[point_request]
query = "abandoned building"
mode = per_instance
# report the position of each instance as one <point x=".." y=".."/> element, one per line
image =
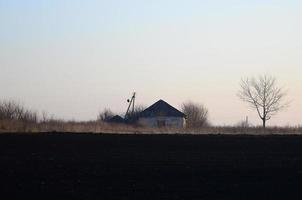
<point x="116" y="120"/>
<point x="161" y="114"/>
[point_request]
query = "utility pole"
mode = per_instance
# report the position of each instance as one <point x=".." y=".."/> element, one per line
<point x="131" y="103"/>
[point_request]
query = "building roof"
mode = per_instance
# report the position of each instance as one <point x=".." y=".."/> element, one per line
<point x="116" y="119"/>
<point x="161" y="109"/>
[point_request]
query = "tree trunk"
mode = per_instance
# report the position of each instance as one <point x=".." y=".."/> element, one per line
<point x="263" y="123"/>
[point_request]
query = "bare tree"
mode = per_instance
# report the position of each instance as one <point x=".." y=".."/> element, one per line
<point x="263" y="94"/>
<point x="11" y="110"/>
<point x="44" y="117"/>
<point x="197" y="114"/>
<point x="105" y="115"/>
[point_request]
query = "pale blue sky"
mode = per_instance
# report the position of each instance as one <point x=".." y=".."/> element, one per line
<point x="73" y="58"/>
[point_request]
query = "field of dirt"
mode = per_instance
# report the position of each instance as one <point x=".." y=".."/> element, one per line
<point x="87" y="166"/>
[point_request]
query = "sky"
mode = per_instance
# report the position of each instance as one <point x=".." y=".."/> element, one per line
<point x="74" y="58"/>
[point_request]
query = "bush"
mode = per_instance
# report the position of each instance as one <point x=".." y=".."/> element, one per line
<point x="105" y="115"/>
<point x="197" y="115"/>
<point x="11" y="110"/>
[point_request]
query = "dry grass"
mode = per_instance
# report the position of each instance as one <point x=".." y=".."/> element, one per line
<point x="250" y="130"/>
<point x="101" y="127"/>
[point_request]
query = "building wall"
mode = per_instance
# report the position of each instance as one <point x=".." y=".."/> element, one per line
<point x="156" y="122"/>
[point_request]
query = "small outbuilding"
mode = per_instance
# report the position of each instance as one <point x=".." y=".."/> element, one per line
<point x="161" y="114"/>
<point x="116" y="120"/>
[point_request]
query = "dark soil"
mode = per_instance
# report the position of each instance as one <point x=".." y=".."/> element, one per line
<point x="86" y="166"/>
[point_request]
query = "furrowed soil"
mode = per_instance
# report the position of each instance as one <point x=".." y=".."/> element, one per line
<point x="87" y="166"/>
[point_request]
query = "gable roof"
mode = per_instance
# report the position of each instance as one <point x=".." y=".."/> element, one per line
<point x="161" y="109"/>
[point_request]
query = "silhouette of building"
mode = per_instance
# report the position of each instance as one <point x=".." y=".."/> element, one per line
<point x="161" y="114"/>
<point x="116" y="119"/>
